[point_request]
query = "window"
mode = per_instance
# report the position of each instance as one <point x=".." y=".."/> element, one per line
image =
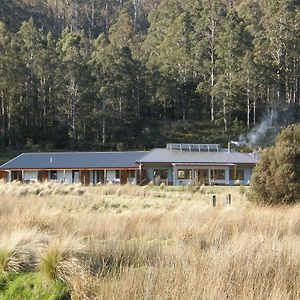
<point x="16" y="175"/>
<point x="236" y="174"/>
<point x="53" y="175"/>
<point x="218" y="174"/>
<point x="184" y="174"/>
<point x="132" y="174"/>
<point x="117" y="174"/>
<point x="161" y="173"/>
<point x="75" y="176"/>
<point x="100" y="176"/>
<point x="202" y="175"/>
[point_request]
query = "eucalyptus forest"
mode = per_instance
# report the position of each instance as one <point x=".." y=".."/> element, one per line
<point x="135" y="74"/>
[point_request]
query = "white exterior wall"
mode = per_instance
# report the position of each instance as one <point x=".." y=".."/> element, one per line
<point x="30" y="175"/>
<point x="247" y="175"/>
<point x="91" y="177"/>
<point x="68" y="178"/>
<point x="60" y="176"/>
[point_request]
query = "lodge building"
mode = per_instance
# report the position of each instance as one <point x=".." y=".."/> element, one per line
<point x="177" y="164"/>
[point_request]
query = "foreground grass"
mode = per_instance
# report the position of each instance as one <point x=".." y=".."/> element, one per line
<point x="31" y="286"/>
<point x="156" y="243"/>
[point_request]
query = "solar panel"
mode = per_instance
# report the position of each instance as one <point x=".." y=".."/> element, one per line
<point x="194" y="147"/>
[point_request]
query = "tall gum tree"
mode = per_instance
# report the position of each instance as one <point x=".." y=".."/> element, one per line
<point x="206" y="35"/>
<point x="73" y="54"/>
<point x="229" y="52"/>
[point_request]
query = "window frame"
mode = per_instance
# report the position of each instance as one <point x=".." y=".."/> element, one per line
<point x="204" y="175"/>
<point x="188" y="174"/>
<point x="131" y="174"/>
<point x="213" y="173"/>
<point x="166" y="174"/>
<point x="238" y="173"/>
<point x="73" y="175"/>
<point x="53" y="172"/>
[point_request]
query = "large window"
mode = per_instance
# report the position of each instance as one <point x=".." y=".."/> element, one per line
<point x="53" y="175"/>
<point x="218" y="174"/>
<point x="16" y="175"/>
<point x="236" y="174"/>
<point x="184" y="174"/>
<point x="100" y="176"/>
<point x="160" y="173"/>
<point x="75" y="176"/>
<point x="202" y="176"/>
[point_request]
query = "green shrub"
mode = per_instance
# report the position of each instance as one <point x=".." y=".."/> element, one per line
<point x="276" y="179"/>
<point x="31" y="286"/>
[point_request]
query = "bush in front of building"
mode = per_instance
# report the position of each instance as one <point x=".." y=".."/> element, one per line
<point x="276" y="179"/>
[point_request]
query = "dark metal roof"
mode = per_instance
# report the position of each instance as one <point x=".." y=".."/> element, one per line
<point x="162" y="155"/>
<point x="74" y="160"/>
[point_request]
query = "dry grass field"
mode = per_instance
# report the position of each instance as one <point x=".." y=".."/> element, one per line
<point x="112" y="242"/>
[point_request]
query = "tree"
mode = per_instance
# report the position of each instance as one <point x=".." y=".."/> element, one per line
<point x="170" y="68"/>
<point x="4" y="83"/>
<point x="229" y="52"/>
<point x="73" y="50"/>
<point x="275" y="49"/>
<point x="117" y="81"/>
<point x="121" y="33"/>
<point x="276" y="179"/>
<point x="206" y="35"/>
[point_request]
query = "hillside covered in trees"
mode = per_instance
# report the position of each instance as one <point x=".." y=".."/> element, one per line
<point x="124" y="74"/>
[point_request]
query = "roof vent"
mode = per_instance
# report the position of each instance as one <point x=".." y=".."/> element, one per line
<point x="51" y="159"/>
<point x="254" y="154"/>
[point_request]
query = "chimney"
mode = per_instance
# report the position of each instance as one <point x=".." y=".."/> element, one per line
<point x="229" y="150"/>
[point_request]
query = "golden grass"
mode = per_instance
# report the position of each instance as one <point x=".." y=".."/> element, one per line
<point x="163" y="243"/>
<point x="20" y="250"/>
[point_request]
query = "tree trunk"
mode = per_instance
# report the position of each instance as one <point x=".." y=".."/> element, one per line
<point x="225" y="115"/>
<point x="103" y="122"/>
<point x="248" y="101"/>
<point x="74" y="94"/>
<point x="92" y="19"/>
<point x="212" y="72"/>
<point x="254" y="112"/>
<point x="296" y="72"/>
<point x="138" y="109"/>
<point x="135" y="19"/>
<point x="103" y="131"/>
<point x="2" y="114"/>
<point x="106" y="30"/>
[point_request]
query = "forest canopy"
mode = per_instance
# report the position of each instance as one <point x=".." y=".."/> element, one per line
<point x="116" y="74"/>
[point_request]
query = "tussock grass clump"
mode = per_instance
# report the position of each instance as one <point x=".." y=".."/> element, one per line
<point x="115" y="255"/>
<point x="61" y="260"/>
<point x="20" y="250"/>
<point x="41" y="189"/>
<point x="117" y="190"/>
